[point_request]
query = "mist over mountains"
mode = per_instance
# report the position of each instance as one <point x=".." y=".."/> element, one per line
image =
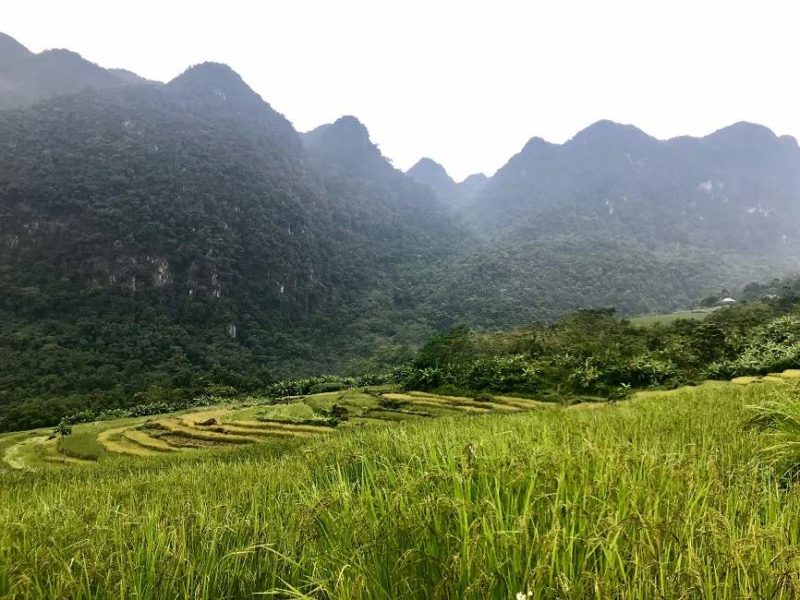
<point x="186" y="234"/>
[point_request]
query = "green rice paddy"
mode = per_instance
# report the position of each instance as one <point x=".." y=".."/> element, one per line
<point x="666" y="495"/>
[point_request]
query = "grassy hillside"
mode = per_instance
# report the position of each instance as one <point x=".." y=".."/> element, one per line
<point x="665" y="495"/>
<point x="695" y="314"/>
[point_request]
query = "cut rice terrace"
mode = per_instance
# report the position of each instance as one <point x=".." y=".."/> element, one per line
<point x="248" y="421"/>
<point x="375" y="493"/>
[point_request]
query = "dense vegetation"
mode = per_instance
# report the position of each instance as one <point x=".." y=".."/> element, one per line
<point x="594" y="353"/>
<point x="667" y="495"/>
<point x="589" y="355"/>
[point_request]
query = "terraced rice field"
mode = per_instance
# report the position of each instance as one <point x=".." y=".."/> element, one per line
<point x="259" y="422"/>
<point x="787" y="375"/>
<point x="235" y="424"/>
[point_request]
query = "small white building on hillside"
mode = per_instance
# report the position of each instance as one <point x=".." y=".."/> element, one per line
<point x="727" y="301"/>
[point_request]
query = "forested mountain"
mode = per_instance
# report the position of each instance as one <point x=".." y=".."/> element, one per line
<point x="154" y="236"/>
<point x="428" y="172"/>
<point x="615" y="217"/>
<point x="172" y="237"/>
<point x="736" y="190"/>
<point x="161" y="239"/>
<point x="391" y="237"/>
<point x="472" y="186"/>
<point x="26" y="77"/>
<point x="398" y="220"/>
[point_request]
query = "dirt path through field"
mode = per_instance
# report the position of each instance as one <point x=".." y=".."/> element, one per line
<point x="14" y="455"/>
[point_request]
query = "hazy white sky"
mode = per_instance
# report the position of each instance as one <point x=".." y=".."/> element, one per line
<point x="466" y="83"/>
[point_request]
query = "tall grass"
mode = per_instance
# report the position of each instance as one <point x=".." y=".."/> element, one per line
<point x="780" y="418"/>
<point x="660" y="497"/>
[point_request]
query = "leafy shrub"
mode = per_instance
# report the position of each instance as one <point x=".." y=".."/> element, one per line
<point x="62" y="429"/>
<point x="336" y="414"/>
<point x="329" y="386"/>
